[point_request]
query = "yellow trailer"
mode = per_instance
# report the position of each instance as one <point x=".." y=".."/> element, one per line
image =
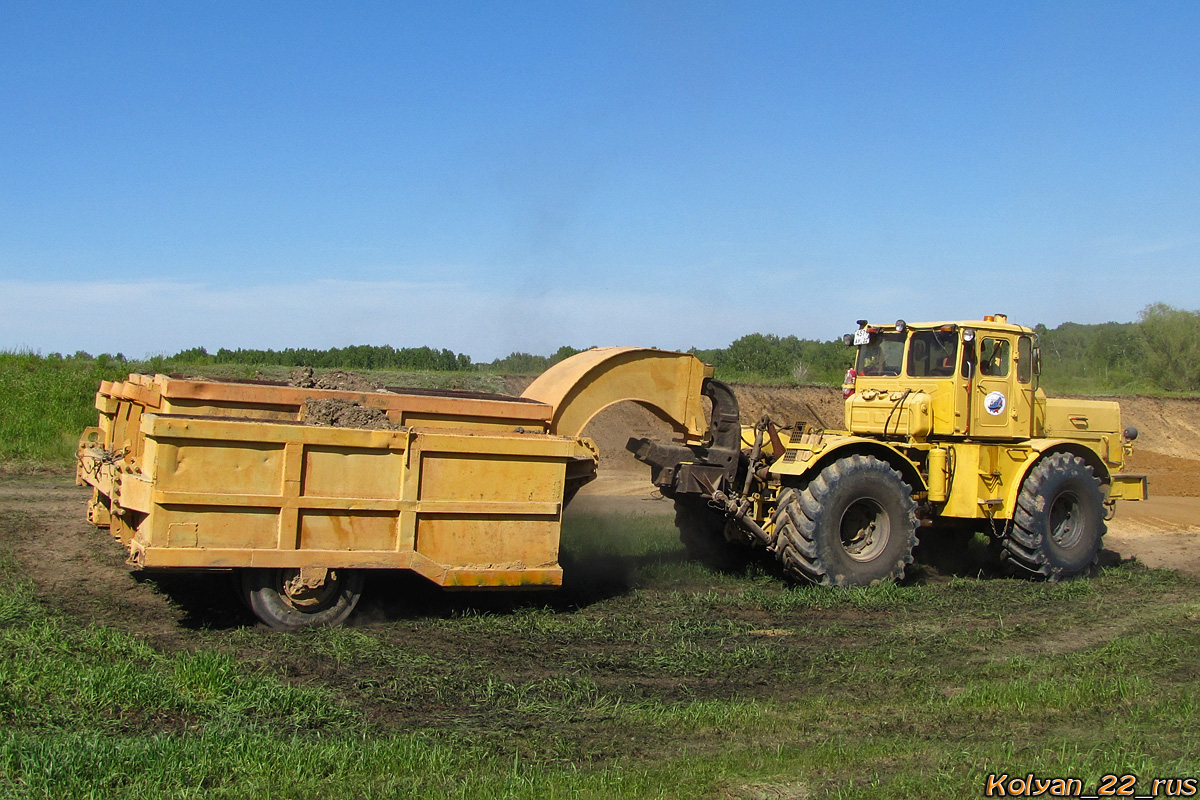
<point x="465" y="489"/>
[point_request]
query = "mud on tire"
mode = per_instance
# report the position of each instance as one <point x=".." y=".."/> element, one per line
<point x="270" y="595"/>
<point x="853" y="525"/>
<point x="1058" y="524"/>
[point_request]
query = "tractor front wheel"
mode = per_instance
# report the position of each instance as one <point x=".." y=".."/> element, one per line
<point x="1058" y="524"/>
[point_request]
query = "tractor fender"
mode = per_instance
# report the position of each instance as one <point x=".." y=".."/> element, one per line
<point x="801" y="463"/>
<point x="1043" y="448"/>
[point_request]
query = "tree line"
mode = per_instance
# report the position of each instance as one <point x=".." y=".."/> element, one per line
<point x="362" y="356"/>
<point x="1160" y="351"/>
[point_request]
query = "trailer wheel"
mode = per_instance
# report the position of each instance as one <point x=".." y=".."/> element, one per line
<point x="1058" y="524"/>
<point x="702" y="532"/>
<point x="853" y="525"/>
<point x="282" y="600"/>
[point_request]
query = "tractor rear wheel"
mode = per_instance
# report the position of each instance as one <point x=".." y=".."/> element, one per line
<point x="853" y="525"/>
<point x="1058" y="524"/>
<point x="284" y="600"/>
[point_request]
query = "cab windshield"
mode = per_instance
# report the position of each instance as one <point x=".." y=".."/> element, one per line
<point x="932" y="354"/>
<point x="884" y="355"/>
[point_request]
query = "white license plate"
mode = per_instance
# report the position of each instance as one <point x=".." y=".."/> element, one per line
<point x="862" y="336"/>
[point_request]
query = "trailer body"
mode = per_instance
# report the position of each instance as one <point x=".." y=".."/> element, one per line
<point x="466" y="489"/>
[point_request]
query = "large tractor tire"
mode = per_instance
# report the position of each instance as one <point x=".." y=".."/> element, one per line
<point x="853" y="525"/>
<point x="279" y="599"/>
<point x="1058" y="524"/>
<point x="702" y="532"/>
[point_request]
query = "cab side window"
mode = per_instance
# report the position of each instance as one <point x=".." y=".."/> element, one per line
<point x="994" y="357"/>
<point x="1024" y="359"/>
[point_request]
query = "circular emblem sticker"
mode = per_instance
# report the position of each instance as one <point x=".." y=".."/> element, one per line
<point x="994" y="403"/>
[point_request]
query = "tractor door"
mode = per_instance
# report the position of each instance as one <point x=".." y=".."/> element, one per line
<point x="1000" y="404"/>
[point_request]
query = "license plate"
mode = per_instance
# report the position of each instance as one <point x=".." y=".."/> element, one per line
<point x="862" y="336"/>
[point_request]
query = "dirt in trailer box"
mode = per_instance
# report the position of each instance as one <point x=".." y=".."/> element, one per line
<point x="337" y="413"/>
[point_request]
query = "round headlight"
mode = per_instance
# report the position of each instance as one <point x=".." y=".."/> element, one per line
<point x="969" y="335"/>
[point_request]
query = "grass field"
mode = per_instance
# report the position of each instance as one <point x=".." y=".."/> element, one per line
<point x="48" y="401"/>
<point x="647" y="676"/>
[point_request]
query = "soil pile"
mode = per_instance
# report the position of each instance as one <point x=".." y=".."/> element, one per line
<point x="302" y="377"/>
<point x="337" y="413"/>
<point x="305" y="378"/>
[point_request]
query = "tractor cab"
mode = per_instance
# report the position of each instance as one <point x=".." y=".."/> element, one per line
<point x="971" y="379"/>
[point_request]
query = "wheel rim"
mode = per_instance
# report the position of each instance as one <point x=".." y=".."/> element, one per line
<point x="308" y="599"/>
<point x="865" y="529"/>
<point x="1066" y="524"/>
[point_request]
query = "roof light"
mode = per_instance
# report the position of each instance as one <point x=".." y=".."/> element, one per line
<point x="900" y="326"/>
<point x="990" y="318"/>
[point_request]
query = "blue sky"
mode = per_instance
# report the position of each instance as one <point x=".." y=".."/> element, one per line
<point x="492" y="177"/>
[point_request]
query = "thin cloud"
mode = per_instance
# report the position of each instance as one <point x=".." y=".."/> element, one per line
<point x="139" y="318"/>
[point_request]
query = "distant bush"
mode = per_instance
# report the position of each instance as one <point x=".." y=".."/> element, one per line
<point x="361" y="356"/>
<point x="527" y="364"/>
<point x="773" y="358"/>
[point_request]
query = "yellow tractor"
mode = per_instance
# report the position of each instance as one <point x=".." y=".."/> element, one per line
<point x="945" y="427"/>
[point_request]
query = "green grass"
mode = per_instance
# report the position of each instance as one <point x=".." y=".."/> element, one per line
<point x="47" y="404"/>
<point x="48" y="401"/>
<point x="646" y="677"/>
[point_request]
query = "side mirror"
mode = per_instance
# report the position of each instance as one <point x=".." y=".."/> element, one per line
<point x="1037" y="361"/>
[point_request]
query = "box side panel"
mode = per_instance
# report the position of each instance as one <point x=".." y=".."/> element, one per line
<point x="217" y="467"/>
<point x="211" y="527"/>
<point x="331" y="471"/>
<point x="483" y="541"/>
<point x="491" y="477"/>
<point x="345" y="530"/>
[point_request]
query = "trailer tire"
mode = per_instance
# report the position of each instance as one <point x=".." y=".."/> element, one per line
<point x="853" y="525"/>
<point x="266" y="592"/>
<point x="702" y="532"/>
<point x="1058" y="524"/>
